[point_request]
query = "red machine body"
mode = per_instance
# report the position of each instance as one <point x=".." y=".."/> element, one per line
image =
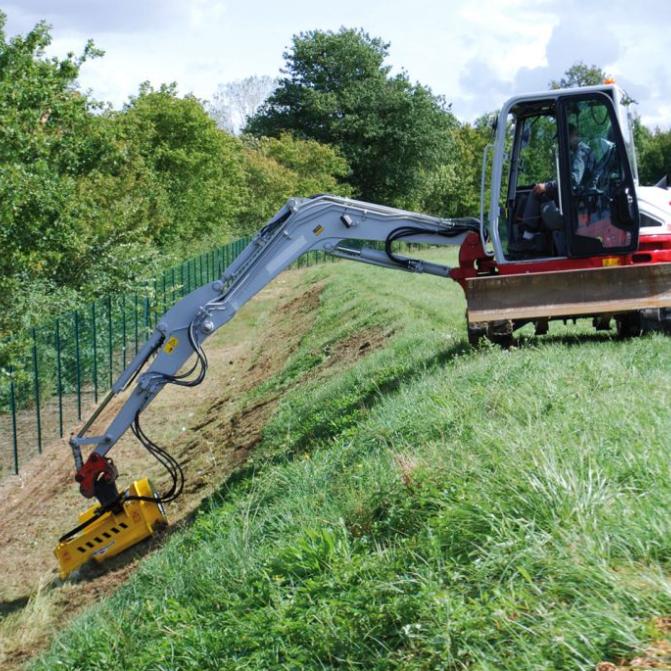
<point x="474" y="262"/>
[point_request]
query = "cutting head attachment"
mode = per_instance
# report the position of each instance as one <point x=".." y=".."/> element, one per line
<point x="105" y="533"/>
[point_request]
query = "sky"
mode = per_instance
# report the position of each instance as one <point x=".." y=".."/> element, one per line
<point x="476" y="54"/>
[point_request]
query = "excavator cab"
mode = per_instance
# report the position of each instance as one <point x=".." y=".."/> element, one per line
<point x="572" y="143"/>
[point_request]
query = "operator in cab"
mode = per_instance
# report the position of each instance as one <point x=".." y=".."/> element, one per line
<point x="540" y="211"/>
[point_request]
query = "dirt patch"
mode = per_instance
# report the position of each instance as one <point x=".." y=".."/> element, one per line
<point x="357" y="345"/>
<point x="210" y="429"/>
<point x="657" y="656"/>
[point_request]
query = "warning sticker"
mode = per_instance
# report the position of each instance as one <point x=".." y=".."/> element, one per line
<point x="170" y="345"/>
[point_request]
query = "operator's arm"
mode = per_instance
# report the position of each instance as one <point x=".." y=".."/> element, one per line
<point x="321" y="223"/>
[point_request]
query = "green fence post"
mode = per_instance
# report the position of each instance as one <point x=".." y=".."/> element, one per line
<point x="36" y="383"/>
<point x="137" y="332"/>
<point x="110" y="344"/>
<point x="146" y="317"/>
<point x="165" y="305"/>
<point x="156" y="303"/>
<point x="12" y="402"/>
<point x="94" y="330"/>
<point x="174" y="295"/>
<point x="59" y="375"/>
<point x="78" y="362"/>
<point x="123" y="330"/>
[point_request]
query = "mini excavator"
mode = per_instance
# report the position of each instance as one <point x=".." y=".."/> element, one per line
<point x="600" y="249"/>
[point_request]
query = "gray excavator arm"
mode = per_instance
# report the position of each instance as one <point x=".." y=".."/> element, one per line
<point x="319" y="223"/>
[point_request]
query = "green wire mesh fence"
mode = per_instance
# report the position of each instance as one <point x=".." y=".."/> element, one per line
<point x="60" y="368"/>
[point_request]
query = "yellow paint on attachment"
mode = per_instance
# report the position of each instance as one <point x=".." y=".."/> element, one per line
<point x="611" y="261"/>
<point x="170" y="345"/>
<point x="318" y="230"/>
<point x="112" y="532"/>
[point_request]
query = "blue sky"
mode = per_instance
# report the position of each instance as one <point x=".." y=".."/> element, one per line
<point x="476" y="54"/>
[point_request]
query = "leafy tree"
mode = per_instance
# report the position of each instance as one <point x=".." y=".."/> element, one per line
<point x="48" y="139"/>
<point x="279" y="168"/>
<point x="453" y="188"/>
<point x="338" y="90"/>
<point x="198" y="166"/>
<point x="654" y="153"/>
<point x="580" y="74"/>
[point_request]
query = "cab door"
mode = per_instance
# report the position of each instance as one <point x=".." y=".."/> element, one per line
<point x="597" y="184"/>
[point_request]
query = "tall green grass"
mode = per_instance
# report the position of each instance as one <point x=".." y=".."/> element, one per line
<point x="430" y="507"/>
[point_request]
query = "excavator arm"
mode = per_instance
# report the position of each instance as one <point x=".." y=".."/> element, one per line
<point x="323" y="223"/>
<point x="319" y="223"/>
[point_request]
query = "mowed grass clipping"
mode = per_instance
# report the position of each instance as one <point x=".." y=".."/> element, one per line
<point x="431" y="507"/>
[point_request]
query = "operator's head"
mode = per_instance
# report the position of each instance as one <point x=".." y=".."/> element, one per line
<point x="573" y="138"/>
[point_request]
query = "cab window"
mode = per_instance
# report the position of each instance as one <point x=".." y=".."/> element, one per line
<point x="599" y="186"/>
<point x="538" y="150"/>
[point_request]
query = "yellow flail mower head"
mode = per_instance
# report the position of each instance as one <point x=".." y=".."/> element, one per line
<point x="103" y="533"/>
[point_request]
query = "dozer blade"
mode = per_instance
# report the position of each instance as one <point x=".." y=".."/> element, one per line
<point x="569" y="293"/>
<point x="112" y="532"/>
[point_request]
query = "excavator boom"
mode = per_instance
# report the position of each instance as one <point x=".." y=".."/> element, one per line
<point x="325" y="223"/>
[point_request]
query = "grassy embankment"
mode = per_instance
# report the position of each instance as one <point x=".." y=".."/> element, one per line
<point x="429" y="507"/>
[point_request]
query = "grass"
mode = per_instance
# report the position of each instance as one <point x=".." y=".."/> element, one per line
<point x="430" y="507"/>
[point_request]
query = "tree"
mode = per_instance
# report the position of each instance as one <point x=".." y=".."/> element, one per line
<point x="580" y="74"/>
<point x="279" y="168"/>
<point x="198" y="167"/>
<point x="654" y="153"/>
<point x="235" y="102"/>
<point x="338" y="90"/>
<point x="452" y="189"/>
<point x="48" y="140"/>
